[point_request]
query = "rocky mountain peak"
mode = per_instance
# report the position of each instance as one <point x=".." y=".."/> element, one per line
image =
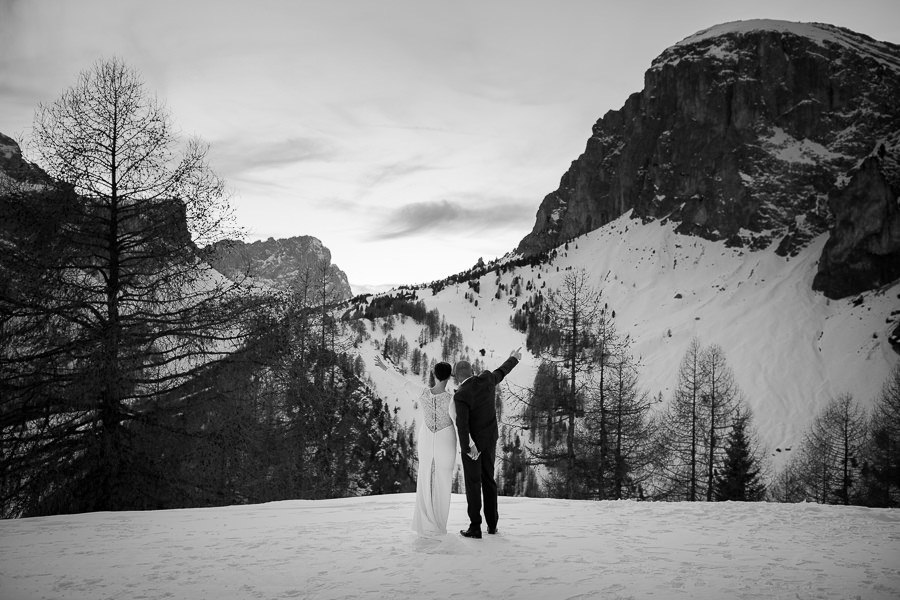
<point x="280" y="263"/>
<point x="821" y="34"/>
<point x="14" y="168"/>
<point x="743" y="132"/>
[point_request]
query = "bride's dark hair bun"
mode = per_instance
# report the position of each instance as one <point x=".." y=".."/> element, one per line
<point x="442" y="371"/>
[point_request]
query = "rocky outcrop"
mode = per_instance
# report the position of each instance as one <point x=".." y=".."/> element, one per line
<point x="15" y="170"/>
<point x="863" y="249"/>
<point x="275" y="263"/>
<point x="743" y="132"/>
<point x="281" y="264"/>
<point x="27" y="190"/>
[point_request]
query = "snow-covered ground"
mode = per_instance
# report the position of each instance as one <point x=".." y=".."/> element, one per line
<point x="362" y="548"/>
<point x="791" y="349"/>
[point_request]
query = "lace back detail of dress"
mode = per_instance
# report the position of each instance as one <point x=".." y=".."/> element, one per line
<point x="436" y="410"/>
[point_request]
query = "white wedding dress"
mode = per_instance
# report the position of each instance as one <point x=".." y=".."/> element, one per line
<point x="437" y="459"/>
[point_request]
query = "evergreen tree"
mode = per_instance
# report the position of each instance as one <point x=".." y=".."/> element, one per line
<point x="543" y="406"/>
<point x="739" y="479"/>
<point x="515" y="469"/>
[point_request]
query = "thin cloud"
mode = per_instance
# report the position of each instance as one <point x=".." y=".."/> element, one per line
<point x="417" y="218"/>
<point x="387" y="173"/>
<point x="235" y="156"/>
<point x="342" y="206"/>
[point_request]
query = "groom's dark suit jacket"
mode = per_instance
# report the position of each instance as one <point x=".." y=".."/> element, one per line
<point x="476" y="413"/>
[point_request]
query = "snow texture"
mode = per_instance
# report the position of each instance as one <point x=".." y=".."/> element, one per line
<point x="789" y="149"/>
<point x="362" y="548"/>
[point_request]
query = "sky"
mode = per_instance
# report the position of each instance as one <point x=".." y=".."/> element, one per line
<point x="412" y="137"/>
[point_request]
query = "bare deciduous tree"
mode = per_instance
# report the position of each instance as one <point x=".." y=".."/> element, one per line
<point x="884" y="447"/>
<point x="570" y="317"/>
<point x="830" y="459"/>
<point x="122" y="313"/>
<point x="682" y="430"/>
<point x="691" y="440"/>
<point x="719" y="402"/>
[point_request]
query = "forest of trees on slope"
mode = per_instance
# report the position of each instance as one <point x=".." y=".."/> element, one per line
<point x="595" y="434"/>
<point x="585" y="428"/>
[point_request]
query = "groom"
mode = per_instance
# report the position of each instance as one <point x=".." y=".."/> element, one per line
<point x="476" y="414"/>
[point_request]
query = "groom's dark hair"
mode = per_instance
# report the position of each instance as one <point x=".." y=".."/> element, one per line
<point x="442" y="371"/>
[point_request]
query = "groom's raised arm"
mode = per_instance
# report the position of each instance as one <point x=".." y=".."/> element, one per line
<point x="514" y="357"/>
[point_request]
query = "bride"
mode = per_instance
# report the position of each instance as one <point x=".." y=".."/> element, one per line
<point x="437" y="454"/>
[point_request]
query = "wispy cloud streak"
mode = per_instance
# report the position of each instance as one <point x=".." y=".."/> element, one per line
<point x="418" y="218"/>
<point x="235" y="156"/>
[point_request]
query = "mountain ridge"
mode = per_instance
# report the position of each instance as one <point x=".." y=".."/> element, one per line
<point x="272" y="263"/>
<point x="280" y="263"/>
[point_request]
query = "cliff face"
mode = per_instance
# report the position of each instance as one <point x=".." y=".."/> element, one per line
<point x="863" y="250"/>
<point x="26" y="191"/>
<point x="15" y="170"/>
<point x="281" y="264"/>
<point x="746" y="132"/>
<point x="276" y="263"/>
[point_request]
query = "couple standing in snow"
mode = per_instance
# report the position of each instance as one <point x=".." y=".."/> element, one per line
<point x="470" y="414"/>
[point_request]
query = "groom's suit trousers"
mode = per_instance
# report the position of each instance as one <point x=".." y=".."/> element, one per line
<point x="479" y="476"/>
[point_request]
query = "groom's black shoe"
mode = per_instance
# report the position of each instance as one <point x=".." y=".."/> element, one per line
<point x="492" y="530"/>
<point x="471" y="532"/>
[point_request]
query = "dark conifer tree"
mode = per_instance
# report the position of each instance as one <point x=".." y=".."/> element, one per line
<point x="739" y="479"/>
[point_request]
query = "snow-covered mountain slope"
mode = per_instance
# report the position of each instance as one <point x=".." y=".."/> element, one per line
<point x="363" y="548"/>
<point x="791" y="349"/>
